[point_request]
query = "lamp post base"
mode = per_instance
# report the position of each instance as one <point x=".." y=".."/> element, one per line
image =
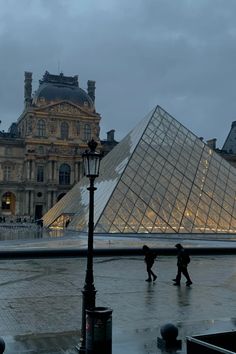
<point x="80" y="349"/>
<point x="88" y="302"/>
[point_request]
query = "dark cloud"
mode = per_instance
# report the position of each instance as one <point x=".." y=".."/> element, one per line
<point x="178" y="54"/>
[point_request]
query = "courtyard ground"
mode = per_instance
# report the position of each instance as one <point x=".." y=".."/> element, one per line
<point x="40" y="300"/>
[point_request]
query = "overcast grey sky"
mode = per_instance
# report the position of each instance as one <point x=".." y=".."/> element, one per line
<point x="179" y="54"/>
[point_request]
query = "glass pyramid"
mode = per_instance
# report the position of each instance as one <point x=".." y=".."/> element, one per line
<point x="160" y="178"/>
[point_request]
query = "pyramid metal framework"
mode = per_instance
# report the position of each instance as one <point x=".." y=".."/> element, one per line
<point x="160" y="178"/>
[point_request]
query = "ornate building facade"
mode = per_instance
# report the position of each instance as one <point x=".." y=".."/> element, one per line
<point x="228" y="151"/>
<point x="41" y="155"/>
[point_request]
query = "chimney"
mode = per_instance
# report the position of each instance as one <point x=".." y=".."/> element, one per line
<point x="212" y="144"/>
<point x="28" y="88"/>
<point x="91" y="89"/>
<point x="111" y="135"/>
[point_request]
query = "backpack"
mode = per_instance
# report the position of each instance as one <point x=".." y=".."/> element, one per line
<point x="186" y="258"/>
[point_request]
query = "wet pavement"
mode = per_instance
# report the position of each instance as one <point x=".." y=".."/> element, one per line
<point x="40" y="301"/>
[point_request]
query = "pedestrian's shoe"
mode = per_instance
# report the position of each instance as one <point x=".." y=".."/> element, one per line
<point x="154" y="277"/>
<point x="148" y="280"/>
<point x="188" y="283"/>
<point x="176" y="284"/>
<point x="174" y="279"/>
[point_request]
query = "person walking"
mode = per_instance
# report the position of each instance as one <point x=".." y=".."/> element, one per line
<point x="183" y="260"/>
<point x="149" y="259"/>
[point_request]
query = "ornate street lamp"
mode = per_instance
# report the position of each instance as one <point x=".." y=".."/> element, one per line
<point x="91" y="160"/>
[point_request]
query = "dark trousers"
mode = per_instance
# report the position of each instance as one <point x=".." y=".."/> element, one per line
<point x="150" y="272"/>
<point x="184" y="270"/>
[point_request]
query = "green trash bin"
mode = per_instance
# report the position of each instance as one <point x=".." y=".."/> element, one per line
<point x="99" y="331"/>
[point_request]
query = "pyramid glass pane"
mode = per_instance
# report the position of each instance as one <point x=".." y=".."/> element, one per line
<point x="111" y="169"/>
<point x="159" y="179"/>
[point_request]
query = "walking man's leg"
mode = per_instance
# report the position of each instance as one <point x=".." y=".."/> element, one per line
<point x="153" y="275"/>
<point x="149" y="274"/>
<point x="178" y="277"/>
<point x="186" y="274"/>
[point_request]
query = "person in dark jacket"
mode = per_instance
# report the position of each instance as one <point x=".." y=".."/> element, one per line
<point x="183" y="260"/>
<point x="149" y="260"/>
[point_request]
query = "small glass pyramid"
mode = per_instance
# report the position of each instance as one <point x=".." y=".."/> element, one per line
<point x="160" y="178"/>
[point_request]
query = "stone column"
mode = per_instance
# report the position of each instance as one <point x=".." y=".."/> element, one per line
<point x="53" y="170"/>
<point x="72" y="175"/>
<point x="28" y="170"/>
<point x="33" y="166"/>
<point x="76" y="175"/>
<point x="32" y="206"/>
<point x="80" y="171"/>
<point x="54" y="198"/>
<point x="50" y="172"/>
<point x="27" y="202"/>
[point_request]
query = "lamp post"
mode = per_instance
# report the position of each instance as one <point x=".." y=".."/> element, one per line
<point x="91" y="160"/>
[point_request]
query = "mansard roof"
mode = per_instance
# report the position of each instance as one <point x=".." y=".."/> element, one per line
<point x="54" y="88"/>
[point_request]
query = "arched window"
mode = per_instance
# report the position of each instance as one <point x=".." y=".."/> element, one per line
<point x="64" y="130"/>
<point x="87" y="132"/>
<point x="64" y="174"/>
<point x="8" y="202"/>
<point x="41" y="128"/>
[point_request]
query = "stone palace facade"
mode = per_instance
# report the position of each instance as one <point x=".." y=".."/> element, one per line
<point x="41" y="154"/>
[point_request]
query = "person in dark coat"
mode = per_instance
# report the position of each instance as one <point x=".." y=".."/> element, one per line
<point x="183" y="260"/>
<point x="149" y="259"/>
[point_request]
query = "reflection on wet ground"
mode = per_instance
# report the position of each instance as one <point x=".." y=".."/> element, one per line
<point x="40" y="301"/>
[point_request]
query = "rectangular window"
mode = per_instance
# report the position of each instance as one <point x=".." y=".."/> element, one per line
<point x="41" y="128"/>
<point x="7" y="173"/>
<point x="40" y="174"/>
<point x="8" y="151"/>
<point x="87" y="132"/>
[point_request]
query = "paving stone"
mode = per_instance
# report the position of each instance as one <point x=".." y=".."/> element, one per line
<point x="40" y="301"/>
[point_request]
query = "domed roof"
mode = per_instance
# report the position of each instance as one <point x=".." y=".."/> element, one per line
<point x="59" y="87"/>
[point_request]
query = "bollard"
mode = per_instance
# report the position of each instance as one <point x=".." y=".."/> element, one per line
<point x="99" y="331"/>
<point x="2" y="345"/>
<point x="169" y="341"/>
